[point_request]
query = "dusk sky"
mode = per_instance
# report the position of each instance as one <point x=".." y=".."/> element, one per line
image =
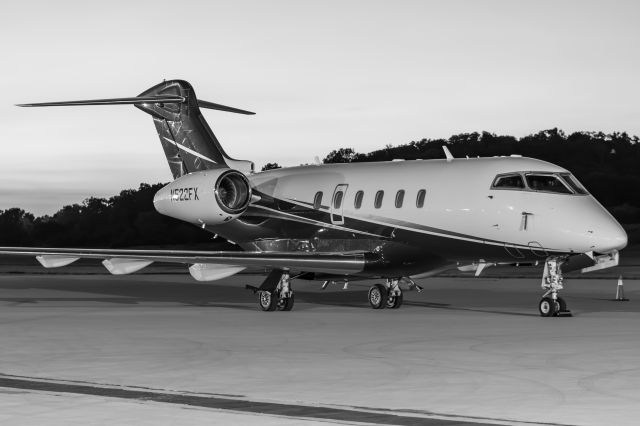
<point x="320" y="74"/>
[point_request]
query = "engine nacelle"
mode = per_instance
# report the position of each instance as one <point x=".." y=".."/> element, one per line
<point x="208" y="197"/>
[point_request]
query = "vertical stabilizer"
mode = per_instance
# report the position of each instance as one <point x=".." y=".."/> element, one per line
<point x="187" y="140"/>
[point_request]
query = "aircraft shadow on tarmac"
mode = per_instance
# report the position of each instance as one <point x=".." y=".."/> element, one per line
<point x="100" y="290"/>
<point x="199" y="295"/>
<point x="461" y="308"/>
<point x="147" y="289"/>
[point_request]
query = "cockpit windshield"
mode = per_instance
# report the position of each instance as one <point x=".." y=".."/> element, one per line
<point x="557" y="183"/>
<point x="513" y="181"/>
<point x="573" y="183"/>
<point x="547" y="183"/>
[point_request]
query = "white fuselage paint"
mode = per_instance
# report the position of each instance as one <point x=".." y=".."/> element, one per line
<point x="459" y="201"/>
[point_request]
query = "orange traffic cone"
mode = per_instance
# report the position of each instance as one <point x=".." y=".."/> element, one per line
<point x="620" y="291"/>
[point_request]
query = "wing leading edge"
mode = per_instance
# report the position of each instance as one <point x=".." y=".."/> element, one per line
<point x="332" y="263"/>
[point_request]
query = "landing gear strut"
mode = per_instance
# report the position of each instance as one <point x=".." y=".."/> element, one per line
<point x="275" y="293"/>
<point x="387" y="295"/>
<point x="551" y="305"/>
<point x="285" y="293"/>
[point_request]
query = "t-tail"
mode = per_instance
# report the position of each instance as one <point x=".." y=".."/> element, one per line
<point x="187" y="140"/>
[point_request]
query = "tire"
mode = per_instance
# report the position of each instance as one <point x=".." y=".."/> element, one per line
<point x="267" y="300"/>
<point x="394" y="302"/>
<point x="548" y="307"/>
<point x="562" y="304"/>
<point x="378" y="296"/>
<point x="286" y="304"/>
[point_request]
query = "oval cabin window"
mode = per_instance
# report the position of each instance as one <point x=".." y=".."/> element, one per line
<point x="337" y="200"/>
<point x="378" y="201"/>
<point x="357" y="202"/>
<point x="317" y="200"/>
<point x="420" y="198"/>
<point x="399" y="198"/>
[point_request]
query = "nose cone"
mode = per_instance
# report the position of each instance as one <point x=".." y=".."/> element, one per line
<point x="588" y="226"/>
<point x="610" y="237"/>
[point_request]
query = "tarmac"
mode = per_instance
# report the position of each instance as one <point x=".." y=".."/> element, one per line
<point x="163" y="349"/>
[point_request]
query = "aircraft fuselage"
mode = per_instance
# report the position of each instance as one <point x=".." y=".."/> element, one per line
<point x="460" y="218"/>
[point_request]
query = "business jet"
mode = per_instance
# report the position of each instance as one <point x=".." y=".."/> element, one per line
<point x="393" y="221"/>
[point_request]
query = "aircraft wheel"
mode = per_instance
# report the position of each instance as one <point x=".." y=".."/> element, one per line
<point x="562" y="305"/>
<point x="286" y="304"/>
<point x="267" y="300"/>
<point x="378" y="296"/>
<point x="394" y="301"/>
<point x="548" y="307"/>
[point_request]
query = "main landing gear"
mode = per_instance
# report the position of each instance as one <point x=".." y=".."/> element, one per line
<point x="275" y="293"/>
<point x="387" y="295"/>
<point x="551" y="305"/>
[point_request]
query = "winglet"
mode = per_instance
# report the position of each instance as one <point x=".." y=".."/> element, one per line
<point x="447" y="153"/>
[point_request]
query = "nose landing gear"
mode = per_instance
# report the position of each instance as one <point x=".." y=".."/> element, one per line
<point x="551" y="305"/>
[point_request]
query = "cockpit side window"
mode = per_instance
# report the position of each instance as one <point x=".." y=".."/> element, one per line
<point x="547" y="183"/>
<point x="573" y="183"/>
<point x="509" y="181"/>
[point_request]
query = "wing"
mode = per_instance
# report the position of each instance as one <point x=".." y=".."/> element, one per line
<point x="128" y="261"/>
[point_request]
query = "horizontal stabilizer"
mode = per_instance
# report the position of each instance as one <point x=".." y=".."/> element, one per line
<point x="112" y="101"/>
<point x="140" y="100"/>
<point x="211" y="105"/>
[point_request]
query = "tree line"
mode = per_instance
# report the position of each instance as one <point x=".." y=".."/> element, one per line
<point x="607" y="164"/>
<point x="124" y="220"/>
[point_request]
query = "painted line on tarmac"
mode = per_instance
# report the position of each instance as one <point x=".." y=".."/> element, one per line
<point x="217" y="402"/>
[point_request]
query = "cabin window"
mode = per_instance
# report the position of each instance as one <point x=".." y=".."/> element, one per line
<point x="420" y="198"/>
<point x="573" y="183"/>
<point x="399" y="198"/>
<point x="357" y="202"/>
<point x="378" y="201"/>
<point x="547" y="183"/>
<point x="317" y="200"/>
<point x="510" y="181"/>
<point x="337" y="200"/>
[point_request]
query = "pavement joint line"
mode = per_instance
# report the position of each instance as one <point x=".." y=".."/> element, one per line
<point x="243" y="405"/>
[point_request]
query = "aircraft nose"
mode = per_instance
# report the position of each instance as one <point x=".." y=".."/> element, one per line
<point x="610" y="237"/>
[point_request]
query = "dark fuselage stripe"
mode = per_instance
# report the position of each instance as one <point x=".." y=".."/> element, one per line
<point x="290" y="216"/>
<point x="413" y="227"/>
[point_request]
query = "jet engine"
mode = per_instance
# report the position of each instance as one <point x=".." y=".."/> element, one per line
<point x="208" y="197"/>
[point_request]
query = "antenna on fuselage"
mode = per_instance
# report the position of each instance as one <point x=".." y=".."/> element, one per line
<point x="447" y="153"/>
